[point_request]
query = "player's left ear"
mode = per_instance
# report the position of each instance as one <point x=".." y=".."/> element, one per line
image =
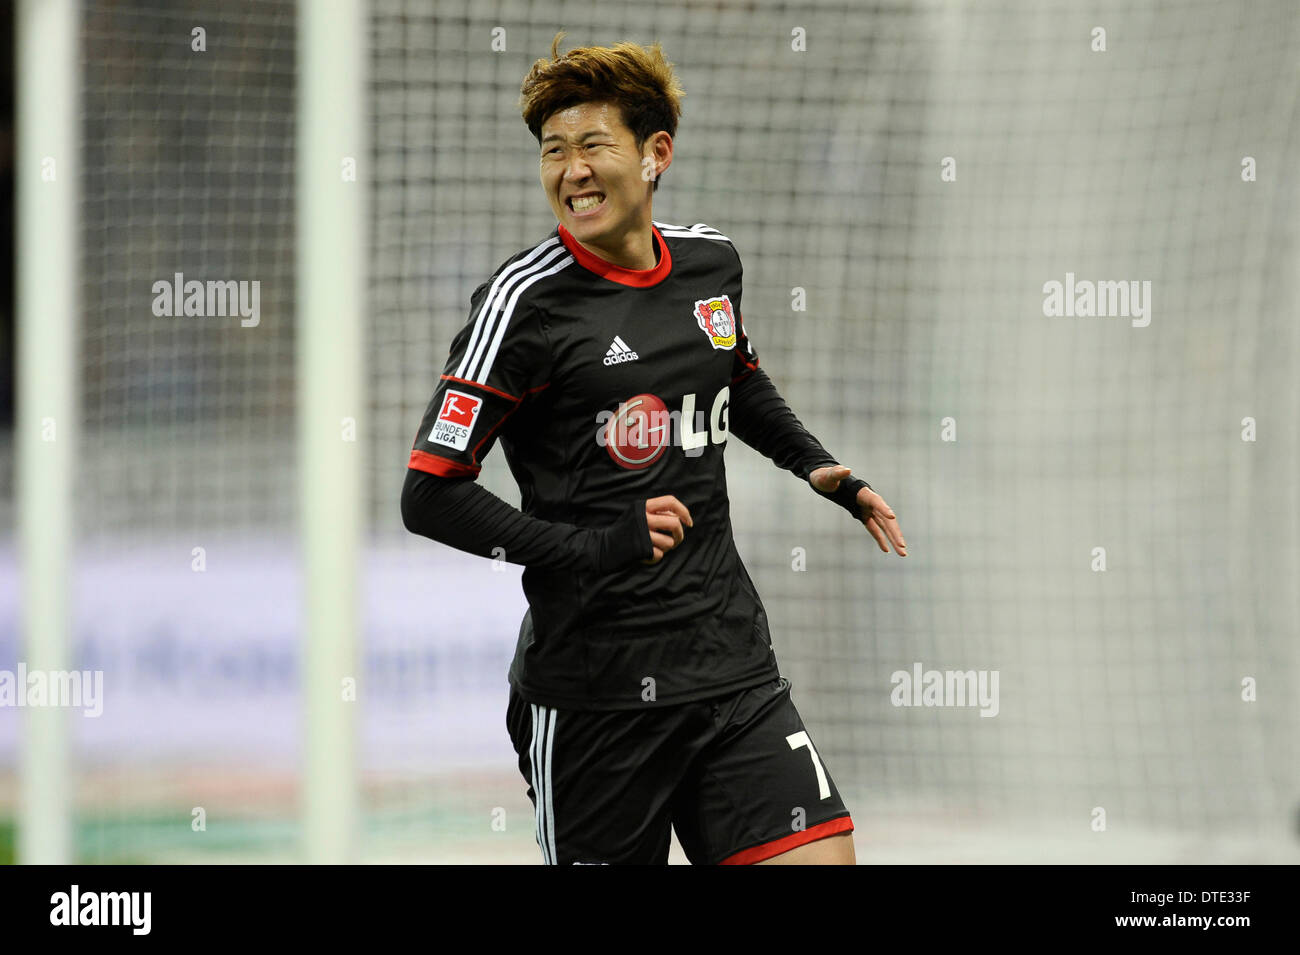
<point x="656" y="156"/>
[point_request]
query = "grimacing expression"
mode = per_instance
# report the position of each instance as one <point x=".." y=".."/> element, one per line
<point x="589" y="157"/>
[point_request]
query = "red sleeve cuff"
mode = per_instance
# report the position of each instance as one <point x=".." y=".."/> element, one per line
<point x="749" y="366"/>
<point x="440" y="466"/>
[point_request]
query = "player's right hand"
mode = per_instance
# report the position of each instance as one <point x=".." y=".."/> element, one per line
<point x="667" y="519"/>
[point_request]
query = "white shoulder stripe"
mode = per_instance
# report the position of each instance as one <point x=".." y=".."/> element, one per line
<point x="694" y="235"/>
<point x="501" y="299"/>
<point x="484" y="319"/>
<point x="564" y="261"/>
<point x="697" y="231"/>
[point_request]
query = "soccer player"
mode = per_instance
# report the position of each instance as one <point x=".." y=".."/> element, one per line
<point x="611" y="362"/>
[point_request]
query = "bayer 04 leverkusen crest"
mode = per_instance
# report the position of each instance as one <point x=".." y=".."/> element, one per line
<point x="718" y="321"/>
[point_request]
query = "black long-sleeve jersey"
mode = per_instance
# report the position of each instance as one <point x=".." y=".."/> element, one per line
<point x="606" y="387"/>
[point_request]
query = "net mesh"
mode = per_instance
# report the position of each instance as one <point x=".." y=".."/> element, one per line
<point x="186" y="469"/>
<point x="1011" y="444"/>
<point x="1020" y="451"/>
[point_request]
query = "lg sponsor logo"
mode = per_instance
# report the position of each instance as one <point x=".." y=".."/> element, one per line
<point x="642" y="428"/>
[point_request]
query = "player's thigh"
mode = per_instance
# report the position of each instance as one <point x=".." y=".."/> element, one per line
<point x="833" y="850"/>
<point x="601" y="783"/>
<point x="760" y="789"/>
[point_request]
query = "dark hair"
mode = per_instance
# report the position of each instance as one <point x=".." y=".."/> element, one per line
<point x="635" y="78"/>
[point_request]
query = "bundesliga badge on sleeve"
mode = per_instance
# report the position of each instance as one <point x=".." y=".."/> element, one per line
<point x="717" y="320"/>
<point x="455" y="420"/>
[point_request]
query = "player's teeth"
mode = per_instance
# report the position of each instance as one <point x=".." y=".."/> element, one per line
<point x="587" y="202"/>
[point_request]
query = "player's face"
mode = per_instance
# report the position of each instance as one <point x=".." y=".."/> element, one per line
<point x="587" y="151"/>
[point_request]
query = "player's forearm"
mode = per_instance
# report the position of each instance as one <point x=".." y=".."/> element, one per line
<point x="760" y="417"/>
<point x="461" y="513"/>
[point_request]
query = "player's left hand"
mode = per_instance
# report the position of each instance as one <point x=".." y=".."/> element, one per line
<point x="877" y="516"/>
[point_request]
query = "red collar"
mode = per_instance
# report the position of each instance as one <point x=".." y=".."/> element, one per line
<point x="638" y="278"/>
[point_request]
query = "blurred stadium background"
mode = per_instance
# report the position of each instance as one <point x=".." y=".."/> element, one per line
<point x="1120" y="690"/>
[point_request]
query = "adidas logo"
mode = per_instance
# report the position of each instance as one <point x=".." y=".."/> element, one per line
<point x="619" y="352"/>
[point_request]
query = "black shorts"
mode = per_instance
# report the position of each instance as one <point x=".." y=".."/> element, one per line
<point x="736" y="776"/>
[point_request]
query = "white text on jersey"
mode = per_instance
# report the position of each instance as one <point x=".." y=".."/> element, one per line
<point x="619" y="352"/>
